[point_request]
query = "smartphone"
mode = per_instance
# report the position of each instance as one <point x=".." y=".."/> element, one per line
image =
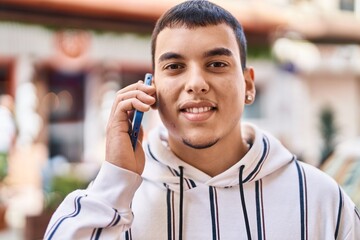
<point x="138" y="115"/>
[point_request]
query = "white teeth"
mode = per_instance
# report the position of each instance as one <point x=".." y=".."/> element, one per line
<point x="198" y="110"/>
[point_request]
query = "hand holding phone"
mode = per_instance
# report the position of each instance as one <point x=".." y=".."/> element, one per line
<point x="138" y="115"/>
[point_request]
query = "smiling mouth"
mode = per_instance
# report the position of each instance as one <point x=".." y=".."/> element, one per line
<point x="197" y="109"/>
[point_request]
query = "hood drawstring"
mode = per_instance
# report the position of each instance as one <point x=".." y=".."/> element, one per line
<point x="181" y="201"/>
<point x="242" y="197"/>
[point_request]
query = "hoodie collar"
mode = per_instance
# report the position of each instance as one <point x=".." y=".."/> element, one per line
<point x="265" y="156"/>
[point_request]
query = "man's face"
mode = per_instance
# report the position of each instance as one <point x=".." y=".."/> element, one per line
<point x="200" y="84"/>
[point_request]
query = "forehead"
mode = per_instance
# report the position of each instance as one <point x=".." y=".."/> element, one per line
<point x="185" y="40"/>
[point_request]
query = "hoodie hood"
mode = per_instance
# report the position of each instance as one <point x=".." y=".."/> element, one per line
<point x="266" y="155"/>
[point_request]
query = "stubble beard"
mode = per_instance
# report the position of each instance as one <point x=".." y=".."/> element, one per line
<point x="200" y="146"/>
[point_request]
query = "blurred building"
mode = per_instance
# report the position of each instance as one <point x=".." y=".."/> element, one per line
<point x="344" y="166"/>
<point x="63" y="61"/>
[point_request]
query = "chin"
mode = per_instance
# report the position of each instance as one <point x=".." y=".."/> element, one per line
<point x="198" y="145"/>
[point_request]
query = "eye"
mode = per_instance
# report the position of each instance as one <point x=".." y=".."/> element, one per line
<point x="173" y="66"/>
<point x="217" y="64"/>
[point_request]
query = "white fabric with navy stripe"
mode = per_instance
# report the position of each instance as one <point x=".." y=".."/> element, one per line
<point x="267" y="195"/>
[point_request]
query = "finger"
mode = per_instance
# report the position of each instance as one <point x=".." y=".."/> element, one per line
<point x="132" y="100"/>
<point x="138" y="86"/>
<point x="132" y="92"/>
<point x="121" y="110"/>
<point x="142" y="96"/>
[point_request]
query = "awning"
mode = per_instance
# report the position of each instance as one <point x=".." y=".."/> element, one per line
<point x="140" y="16"/>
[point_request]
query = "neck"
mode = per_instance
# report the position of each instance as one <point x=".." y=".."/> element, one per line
<point x="215" y="159"/>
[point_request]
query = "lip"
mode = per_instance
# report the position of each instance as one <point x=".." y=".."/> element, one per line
<point x="197" y="111"/>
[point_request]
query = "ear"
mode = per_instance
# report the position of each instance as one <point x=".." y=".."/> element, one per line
<point x="250" y="91"/>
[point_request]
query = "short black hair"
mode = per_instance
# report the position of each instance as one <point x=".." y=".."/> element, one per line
<point x="199" y="13"/>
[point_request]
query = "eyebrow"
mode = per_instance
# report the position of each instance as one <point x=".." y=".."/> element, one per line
<point x="218" y="52"/>
<point x="170" y="55"/>
<point x="213" y="52"/>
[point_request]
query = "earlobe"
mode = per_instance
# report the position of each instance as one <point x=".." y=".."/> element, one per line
<point x="249" y="99"/>
<point x="250" y="92"/>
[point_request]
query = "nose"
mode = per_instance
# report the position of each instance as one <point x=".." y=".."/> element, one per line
<point x="196" y="82"/>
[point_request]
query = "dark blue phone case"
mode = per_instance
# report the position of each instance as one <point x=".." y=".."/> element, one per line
<point x="138" y="115"/>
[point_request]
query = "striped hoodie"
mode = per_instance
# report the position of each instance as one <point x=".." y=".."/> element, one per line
<point x="268" y="194"/>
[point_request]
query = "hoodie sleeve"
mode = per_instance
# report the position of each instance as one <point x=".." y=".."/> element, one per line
<point x="354" y="233"/>
<point x="101" y="210"/>
<point x="349" y="227"/>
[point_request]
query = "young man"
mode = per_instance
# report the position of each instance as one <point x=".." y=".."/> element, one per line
<point x="204" y="175"/>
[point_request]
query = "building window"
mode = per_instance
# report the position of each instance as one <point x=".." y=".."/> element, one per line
<point x="66" y="103"/>
<point x="67" y="91"/>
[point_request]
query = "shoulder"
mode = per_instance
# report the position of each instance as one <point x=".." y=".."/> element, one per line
<point x="324" y="193"/>
<point x="314" y="174"/>
<point x="322" y="185"/>
<point x="317" y="179"/>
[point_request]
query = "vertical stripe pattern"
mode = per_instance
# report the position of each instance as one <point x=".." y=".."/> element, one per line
<point x="214" y="213"/>
<point x="170" y="214"/>
<point x="189" y="183"/>
<point x="303" y="201"/>
<point x="96" y="234"/>
<point x="260" y="210"/>
<point x="341" y="201"/>
<point x="128" y="235"/>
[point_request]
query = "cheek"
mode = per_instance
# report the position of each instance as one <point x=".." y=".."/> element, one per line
<point x="161" y="102"/>
<point x="165" y="111"/>
<point x="165" y="101"/>
<point x="167" y="94"/>
<point x="233" y="92"/>
<point x="233" y="100"/>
